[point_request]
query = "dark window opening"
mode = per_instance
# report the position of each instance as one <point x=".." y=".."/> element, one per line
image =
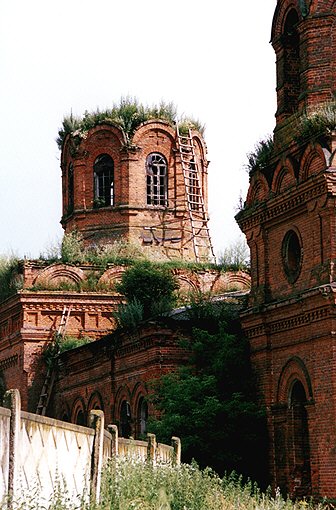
<point x="142" y="417"/>
<point x="103" y="181"/>
<point x="299" y="443"/>
<point x="80" y="418"/>
<point x="156" y="175"/>
<point x="292" y="255"/>
<point x="291" y="62"/>
<point x="70" y="188"/>
<point x="125" y="419"/>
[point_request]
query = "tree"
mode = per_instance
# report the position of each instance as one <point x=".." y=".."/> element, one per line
<point x="210" y="403"/>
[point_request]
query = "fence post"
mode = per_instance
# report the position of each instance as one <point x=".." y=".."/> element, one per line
<point x="97" y="423"/>
<point x="176" y="444"/>
<point x="151" y="447"/>
<point x="113" y="430"/>
<point x="12" y="401"/>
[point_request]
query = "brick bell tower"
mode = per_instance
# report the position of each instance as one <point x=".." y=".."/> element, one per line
<point x="150" y="190"/>
<point x="289" y="220"/>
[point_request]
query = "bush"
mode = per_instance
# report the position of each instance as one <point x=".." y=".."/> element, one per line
<point x="151" y="286"/>
<point x="129" y="316"/>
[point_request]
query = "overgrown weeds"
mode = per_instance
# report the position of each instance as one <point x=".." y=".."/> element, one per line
<point x="60" y="345"/>
<point x="10" y="278"/>
<point x="128" y="115"/>
<point x="261" y="156"/>
<point x="316" y="122"/>
<point x="130" y="485"/>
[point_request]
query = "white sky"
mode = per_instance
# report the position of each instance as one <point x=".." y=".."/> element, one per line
<point x="212" y="59"/>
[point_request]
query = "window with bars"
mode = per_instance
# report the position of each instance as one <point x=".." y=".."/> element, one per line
<point x="194" y="187"/>
<point x="156" y="174"/>
<point x="103" y="181"/>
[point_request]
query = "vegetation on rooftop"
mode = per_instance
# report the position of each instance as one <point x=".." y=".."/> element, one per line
<point x="261" y="156"/>
<point x="150" y="292"/>
<point x="72" y="251"/>
<point x="128" y="114"/>
<point x="319" y="121"/>
<point x="10" y="278"/>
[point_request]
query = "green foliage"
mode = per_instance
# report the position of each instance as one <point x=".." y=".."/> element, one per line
<point x="129" y="315"/>
<point x="236" y="256"/>
<point x="10" y="277"/>
<point x="210" y="403"/>
<point x="150" y="285"/>
<point x="317" y="122"/>
<point x="59" y="345"/>
<point x="72" y="249"/>
<point x="187" y="123"/>
<point x="261" y="156"/>
<point x="131" y="485"/>
<point x="128" y="115"/>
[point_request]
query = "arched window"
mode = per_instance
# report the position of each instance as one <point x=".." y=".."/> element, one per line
<point x="70" y="188"/>
<point x="78" y="413"/>
<point x="125" y="419"/>
<point x="103" y="181"/>
<point x="291" y="40"/>
<point x="156" y="172"/>
<point x="142" y="416"/>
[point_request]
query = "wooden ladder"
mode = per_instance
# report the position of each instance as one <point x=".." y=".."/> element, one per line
<point x="200" y="233"/>
<point x="51" y="372"/>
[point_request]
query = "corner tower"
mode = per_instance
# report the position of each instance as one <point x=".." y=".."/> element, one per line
<point x="289" y="219"/>
<point x="149" y="187"/>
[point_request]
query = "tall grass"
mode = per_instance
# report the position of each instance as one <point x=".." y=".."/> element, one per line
<point x="130" y="485"/>
<point x="10" y="279"/>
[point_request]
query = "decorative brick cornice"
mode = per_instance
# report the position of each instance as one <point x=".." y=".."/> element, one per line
<point x="295" y="321"/>
<point x="11" y="361"/>
<point x="250" y="218"/>
<point x="75" y="307"/>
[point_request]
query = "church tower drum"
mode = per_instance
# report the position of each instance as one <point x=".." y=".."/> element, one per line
<point x="148" y="188"/>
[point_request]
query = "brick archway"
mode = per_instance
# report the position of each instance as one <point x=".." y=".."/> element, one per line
<point x="78" y="413"/>
<point x="95" y="402"/>
<point x="291" y="425"/>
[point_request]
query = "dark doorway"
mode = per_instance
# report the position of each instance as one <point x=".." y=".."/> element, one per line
<point x="298" y="444"/>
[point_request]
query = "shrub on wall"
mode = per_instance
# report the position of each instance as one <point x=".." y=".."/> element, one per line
<point x="150" y="285"/>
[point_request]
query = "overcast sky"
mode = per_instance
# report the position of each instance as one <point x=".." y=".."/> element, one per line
<point x="212" y="59"/>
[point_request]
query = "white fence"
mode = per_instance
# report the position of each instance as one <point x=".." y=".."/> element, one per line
<point x="41" y="455"/>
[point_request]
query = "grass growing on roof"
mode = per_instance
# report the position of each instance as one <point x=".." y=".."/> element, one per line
<point x="128" y="114"/>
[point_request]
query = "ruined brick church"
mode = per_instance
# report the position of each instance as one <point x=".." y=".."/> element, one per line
<point x="147" y="188"/>
<point x="151" y="189"/>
